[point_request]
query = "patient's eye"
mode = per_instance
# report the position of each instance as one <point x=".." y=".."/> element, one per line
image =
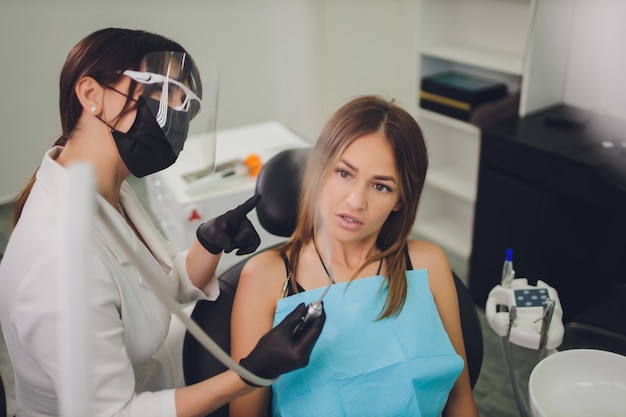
<point x="342" y="173"/>
<point x="382" y="188"/>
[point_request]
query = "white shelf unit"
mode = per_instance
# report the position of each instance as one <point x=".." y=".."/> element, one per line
<point x="446" y="212"/>
<point x="486" y="38"/>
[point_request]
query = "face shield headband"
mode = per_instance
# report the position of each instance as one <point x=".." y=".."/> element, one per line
<point x="171" y="81"/>
<point x="182" y="98"/>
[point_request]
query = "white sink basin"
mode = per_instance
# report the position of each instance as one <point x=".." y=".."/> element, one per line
<point x="577" y="383"/>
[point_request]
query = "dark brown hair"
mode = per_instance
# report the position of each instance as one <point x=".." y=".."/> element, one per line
<point x="361" y="116"/>
<point x="102" y="55"/>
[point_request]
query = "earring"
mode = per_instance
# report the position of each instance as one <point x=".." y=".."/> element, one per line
<point x="93" y="109"/>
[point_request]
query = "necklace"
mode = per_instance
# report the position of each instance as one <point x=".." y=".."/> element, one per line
<point x="380" y="265"/>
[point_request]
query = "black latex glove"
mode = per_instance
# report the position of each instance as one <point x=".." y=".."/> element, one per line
<point x="279" y="352"/>
<point x="231" y="230"/>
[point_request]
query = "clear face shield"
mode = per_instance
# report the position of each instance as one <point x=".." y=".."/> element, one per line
<point x="183" y="106"/>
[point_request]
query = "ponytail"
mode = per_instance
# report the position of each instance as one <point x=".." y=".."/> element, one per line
<point x="22" y="196"/>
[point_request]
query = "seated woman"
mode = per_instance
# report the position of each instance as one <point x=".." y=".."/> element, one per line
<point x="392" y="344"/>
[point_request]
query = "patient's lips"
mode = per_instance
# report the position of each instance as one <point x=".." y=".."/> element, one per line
<point x="349" y="222"/>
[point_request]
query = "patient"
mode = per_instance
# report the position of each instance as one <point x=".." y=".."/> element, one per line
<point x="392" y="344"/>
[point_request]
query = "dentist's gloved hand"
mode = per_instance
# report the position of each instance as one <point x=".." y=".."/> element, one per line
<point x="279" y="352"/>
<point x="232" y="230"/>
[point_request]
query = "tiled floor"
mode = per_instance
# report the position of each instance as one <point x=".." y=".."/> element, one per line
<point x="493" y="390"/>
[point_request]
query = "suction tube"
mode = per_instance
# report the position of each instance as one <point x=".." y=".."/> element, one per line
<point x="161" y="292"/>
<point x="522" y="407"/>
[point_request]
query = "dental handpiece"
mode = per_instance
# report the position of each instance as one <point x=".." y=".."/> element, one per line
<point x="313" y="311"/>
<point x="546" y="319"/>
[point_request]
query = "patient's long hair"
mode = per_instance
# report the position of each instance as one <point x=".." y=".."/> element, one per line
<point x="359" y="117"/>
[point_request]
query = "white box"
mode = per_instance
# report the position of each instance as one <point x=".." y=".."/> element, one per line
<point x="179" y="213"/>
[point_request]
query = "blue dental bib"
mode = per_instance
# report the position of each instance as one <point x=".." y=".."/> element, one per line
<point x="361" y="366"/>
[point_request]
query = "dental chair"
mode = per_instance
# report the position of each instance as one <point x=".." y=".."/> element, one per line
<point x="279" y="186"/>
<point x="3" y="400"/>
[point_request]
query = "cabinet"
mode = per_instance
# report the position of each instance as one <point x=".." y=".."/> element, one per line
<point x="555" y="192"/>
<point x="519" y="42"/>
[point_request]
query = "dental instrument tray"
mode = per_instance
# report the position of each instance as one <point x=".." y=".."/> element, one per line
<point x="524" y="329"/>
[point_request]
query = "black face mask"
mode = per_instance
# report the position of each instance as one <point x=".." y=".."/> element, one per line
<point x="147" y="148"/>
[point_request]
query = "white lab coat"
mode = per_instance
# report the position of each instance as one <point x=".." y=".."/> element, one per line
<point x="129" y="323"/>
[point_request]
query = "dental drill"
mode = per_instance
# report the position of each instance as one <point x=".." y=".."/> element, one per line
<point x="546" y="319"/>
<point x="313" y="311"/>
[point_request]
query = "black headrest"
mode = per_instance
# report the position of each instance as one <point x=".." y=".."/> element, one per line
<point x="279" y="184"/>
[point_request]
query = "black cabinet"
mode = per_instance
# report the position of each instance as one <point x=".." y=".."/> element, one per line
<point x="552" y="186"/>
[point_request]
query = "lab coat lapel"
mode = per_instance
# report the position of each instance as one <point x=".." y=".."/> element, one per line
<point x="111" y="227"/>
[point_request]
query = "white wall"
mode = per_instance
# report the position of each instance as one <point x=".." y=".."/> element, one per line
<point x="596" y="70"/>
<point x="369" y="47"/>
<point x="287" y="60"/>
<point x="294" y="61"/>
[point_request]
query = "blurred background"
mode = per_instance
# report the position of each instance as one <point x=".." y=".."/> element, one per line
<point x="296" y="62"/>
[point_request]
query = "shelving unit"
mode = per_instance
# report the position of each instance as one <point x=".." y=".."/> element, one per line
<point x="485" y="38"/>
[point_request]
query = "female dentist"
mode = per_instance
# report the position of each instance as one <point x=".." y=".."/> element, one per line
<point x="126" y="100"/>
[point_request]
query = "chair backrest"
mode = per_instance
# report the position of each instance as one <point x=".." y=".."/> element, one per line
<point x="3" y="400"/>
<point x="472" y="330"/>
<point x="279" y="186"/>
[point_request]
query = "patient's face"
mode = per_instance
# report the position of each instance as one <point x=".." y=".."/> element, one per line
<point x="361" y="190"/>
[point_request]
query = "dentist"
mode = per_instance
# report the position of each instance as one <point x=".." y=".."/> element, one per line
<point x="126" y="100"/>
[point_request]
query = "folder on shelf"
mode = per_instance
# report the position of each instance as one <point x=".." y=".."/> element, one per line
<point x="457" y="95"/>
